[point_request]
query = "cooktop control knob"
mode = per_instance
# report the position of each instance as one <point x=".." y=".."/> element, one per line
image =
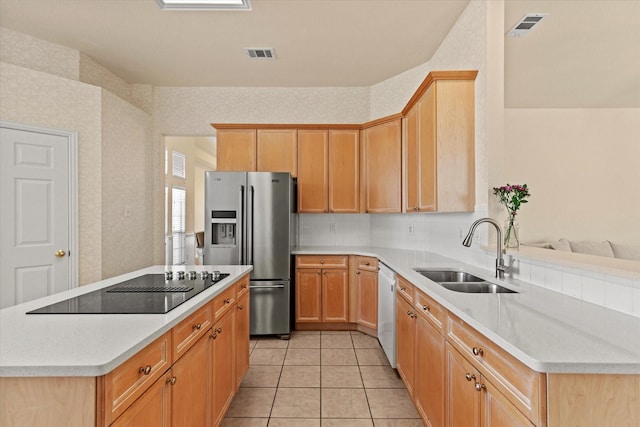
<point x="180" y="275"/>
<point x="215" y="274"/>
<point x="192" y="275"/>
<point x="204" y="275"/>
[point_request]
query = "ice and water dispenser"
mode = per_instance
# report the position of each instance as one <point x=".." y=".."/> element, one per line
<point x="223" y="228"/>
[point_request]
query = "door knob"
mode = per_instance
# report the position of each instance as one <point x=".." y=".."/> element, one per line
<point x="60" y="253"/>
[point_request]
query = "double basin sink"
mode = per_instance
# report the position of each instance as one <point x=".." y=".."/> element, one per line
<point x="460" y="281"/>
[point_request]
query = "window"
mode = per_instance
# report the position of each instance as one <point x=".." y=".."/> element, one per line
<point x="178" y="164"/>
<point x="178" y="223"/>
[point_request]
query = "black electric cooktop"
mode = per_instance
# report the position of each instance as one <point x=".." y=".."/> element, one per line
<point x="148" y="294"/>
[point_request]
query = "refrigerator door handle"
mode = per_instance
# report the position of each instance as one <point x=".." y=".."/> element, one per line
<point x="250" y="226"/>
<point x="240" y="228"/>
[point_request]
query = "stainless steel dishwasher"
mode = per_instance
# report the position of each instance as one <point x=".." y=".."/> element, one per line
<point x="387" y="312"/>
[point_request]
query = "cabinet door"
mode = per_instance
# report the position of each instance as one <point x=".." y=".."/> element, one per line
<point x="153" y="408"/>
<point x="463" y="400"/>
<point x="191" y="396"/>
<point x="335" y="295"/>
<point x="410" y="153"/>
<point x="222" y="372"/>
<point x="236" y="150"/>
<point x="429" y="392"/>
<point x="382" y="167"/>
<point x="427" y="155"/>
<point x="344" y="171"/>
<point x="405" y="342"/>
<point x="367" y="291"/>
<point x="498" y="411"/>
<point x="277" y="151"/>
<point x="313" y="171"/>
<point x="242" y="338"/>
<point x="308" y="295"/>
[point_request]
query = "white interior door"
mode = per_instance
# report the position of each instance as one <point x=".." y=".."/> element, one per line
<point x="35" y="214"/>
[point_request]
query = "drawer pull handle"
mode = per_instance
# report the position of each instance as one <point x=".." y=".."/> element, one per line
<point x="357" y="272"/>
<point x="318" y="272"/>
<point x="366" y="263"/>
<point x="477" y="351"/>
<point x="171" y="380"/>
<point x="197" y="326"/>
<point x="219" y="330"/>
<point x="240" y="307"/>
<point x="402" y="288"/>
<point x="227" y="301"/>
<point x="244" y="286"/>
<point x="146" y="370"/>
<point x="470" y="377"/>
<point x="480" y="387"/>
<point x="426" y="308"/>
<point x="213" y="336"/>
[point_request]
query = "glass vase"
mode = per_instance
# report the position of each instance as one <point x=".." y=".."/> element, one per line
<point x="511" y="234"/>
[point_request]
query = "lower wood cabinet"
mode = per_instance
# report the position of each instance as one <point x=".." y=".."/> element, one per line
<point x="405" y="342"/>
<point x="242" y="338"/>
<point x="367" y="292"/>
<point x="153" y="408"/>
<point x="222" y="366"/>
<point x="429" y="373"/>
<point x="190" y="378"/>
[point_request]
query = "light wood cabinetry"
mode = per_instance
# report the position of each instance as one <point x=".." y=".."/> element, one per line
<point x="367" y="292"/>
<point x="322" y="289"/>
<point x="277" y="151"/>
<point x="328" y="171"/>
<point x="222" y="365"/>
<point x="313" y="171"/>
<point x="429" y="372"/>
<point x="405" y="336"/>
<point x="439" y="154"/>
<point x="190" y="386"/>
<point x="381" y="167"/>
<point x="236" y="150"/>
<point x="242" y="331"/>
<point x="344" y="171"/>
<point x="152" y="409"/>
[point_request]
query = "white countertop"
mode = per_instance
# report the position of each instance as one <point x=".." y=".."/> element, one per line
<point x="90" y="344"/>
<point x="548" y="331"/>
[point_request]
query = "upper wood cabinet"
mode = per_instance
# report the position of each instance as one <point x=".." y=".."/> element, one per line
<point x="328" y="171"/>
<point x="277" y="151"/>
<point x="236" y="150"/>
<point x="344" y="171"/>
<point x="381" y="167"/>
<point x="439" y="154"/>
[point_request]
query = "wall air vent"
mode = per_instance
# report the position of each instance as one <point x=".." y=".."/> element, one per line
<point x="526" y="24"/>
<point x="261" y="53"/>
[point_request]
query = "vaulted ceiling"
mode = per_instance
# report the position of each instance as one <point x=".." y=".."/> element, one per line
<point x="586" y="53"/>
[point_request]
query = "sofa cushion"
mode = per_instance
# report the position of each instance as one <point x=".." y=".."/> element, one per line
<point x="592" y="248"/>
<point x="561" y="245"/>
<point x="626" y="251"/>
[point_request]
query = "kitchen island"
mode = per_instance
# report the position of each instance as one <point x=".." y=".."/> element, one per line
<point x="65" y="369"/>
<point x="582" y="360"/>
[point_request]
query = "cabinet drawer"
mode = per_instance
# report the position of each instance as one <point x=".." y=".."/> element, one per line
<point x="523" y="387"/>
<point x="242" y="286"/>
<point x="431" y="310"/>
<point x="223" y="302"/>
<point x="127" y="382"/>
<point x="405" y="289"/>
<point x="367" y="263"/>
<point x="187" y="332"/>
<point x="322" y="261"/>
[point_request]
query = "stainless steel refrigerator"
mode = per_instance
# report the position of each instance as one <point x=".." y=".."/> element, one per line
<point x="250" y="220"/>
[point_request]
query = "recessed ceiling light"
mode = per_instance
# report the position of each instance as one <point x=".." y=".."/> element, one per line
<point x="204" y="4"/>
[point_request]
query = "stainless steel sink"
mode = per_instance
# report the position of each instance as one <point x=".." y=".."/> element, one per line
<point x="450" y="276"/>
<point x="477" y="288"/>
<point x="460" y="281"/>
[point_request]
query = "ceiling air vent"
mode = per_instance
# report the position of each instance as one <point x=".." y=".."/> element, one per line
<point x="526" y="24"/>
<point x="261" y="53"/>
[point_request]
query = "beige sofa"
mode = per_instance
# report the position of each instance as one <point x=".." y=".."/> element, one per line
<point x="605" y="248"/>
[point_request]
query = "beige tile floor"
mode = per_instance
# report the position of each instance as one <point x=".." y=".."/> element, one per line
<point x="328" y="379"/>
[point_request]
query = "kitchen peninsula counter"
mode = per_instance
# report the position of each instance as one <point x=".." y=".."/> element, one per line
<point x="91" y="345"/>
<point x="547" y="331"/>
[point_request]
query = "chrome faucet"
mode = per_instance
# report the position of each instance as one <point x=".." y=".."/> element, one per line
<point x="500" y="267"/>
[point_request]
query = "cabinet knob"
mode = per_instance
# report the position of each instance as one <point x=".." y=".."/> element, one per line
<point x="146" y="370"/>
<point x="357" y="272"/>
<point x="197" y="326"/>
<point x="477" y="351"/>
<point x="426" y="308"/>
<point x="402" y="288"/>
<point x="321" y="261"/>
<point x="318" y="272"/>
<point x="366" y="263"/>
<point x="470" y="377"/>
<point x="213" y="336"/>
<point x="366" y="211"/>
<point x="227" y="301"/>
<point x="480" y="387"/>
<point x="240" y="307"/>
<point x="171" y="380"/>
<point x="219" y="330"/>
